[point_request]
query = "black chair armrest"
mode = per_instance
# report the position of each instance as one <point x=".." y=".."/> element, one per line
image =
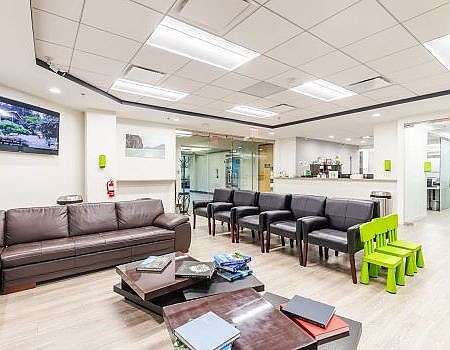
<point x="308" y="224"/>
<point x="354" y="239"/>
<point x="239" y="212"/>
<point x="277" y="215"/>
<point x="218" y="206"/>
<point x="200" y="203"/>
<point x="169" y="221"/>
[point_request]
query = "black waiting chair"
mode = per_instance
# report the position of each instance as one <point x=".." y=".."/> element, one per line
<point x="339" y="228"/>
<point x="200" y="207"/>
<point x="254" y="217"/>
<point x="286" y="223"/>
<point x="221" y="212"/>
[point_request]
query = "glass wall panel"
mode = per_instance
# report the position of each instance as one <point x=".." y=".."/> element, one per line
<point x="445" y="174"/>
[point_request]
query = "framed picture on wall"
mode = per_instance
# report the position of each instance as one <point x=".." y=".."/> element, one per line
<point x="144" y="146"/>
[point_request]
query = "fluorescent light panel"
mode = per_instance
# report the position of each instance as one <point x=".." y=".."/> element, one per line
<point x="136" y="88"/>
<point x="183" y="133"/>
<point x="251" y="112"/>
<point x="440" y="48"/>
<point x="185" y="40"/>
<point x="323" y="90"/>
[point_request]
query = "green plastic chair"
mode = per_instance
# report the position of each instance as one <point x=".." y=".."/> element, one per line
<point x="392" y="226"/>
<point x="381" y="229"/>
<point x="394" y="264"/>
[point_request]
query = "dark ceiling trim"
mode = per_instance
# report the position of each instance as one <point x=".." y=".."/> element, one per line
<point x="78" y="81"/>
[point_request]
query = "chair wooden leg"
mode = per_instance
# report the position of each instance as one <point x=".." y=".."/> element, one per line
<point x="213" y="227"/>
<point x="221" y="223"/>
<point x="233" y="233"/>
<point x="336" y="253"/>
<point x="262" y="242"/>
<point x="228" y="226"/>
<point x="320" y="252"/>
<point x="283" y="243"/>
<point x="209" y="226"/>
<point x="253" y="234"/>
<point x="326" y="253"/>
<point x="353" y="268"/>
<point x="268" y="242"/>
<point x="194" y="219"/>
<point x="305" y="252"/>
<point x="291" y="243"/>
<point x="237" y="234"/>
<point x="299" y="252"/>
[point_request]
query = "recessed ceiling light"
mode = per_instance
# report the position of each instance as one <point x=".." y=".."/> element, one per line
<point x="176" y="119"/>
<point x="323" y="90"/>
<point x="251" y="112"/>
<point x="185" y="40"/>
<point x="183" y="133"/>
<point x="367" y="137"/>
<point x="331" y="136"/>
<point x="136" y="88"/>
<point x="376" y="115"/>
<point x="54" y="90"/>
<point x="348" y="139"/>
<point x="271" y="133"/>
<point x="440" y="48"/>
<point x="362" y="141"/>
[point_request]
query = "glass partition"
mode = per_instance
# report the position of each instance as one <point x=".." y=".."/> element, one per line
<point x="444" y="180"/>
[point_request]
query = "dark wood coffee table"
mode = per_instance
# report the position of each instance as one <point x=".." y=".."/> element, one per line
<point x="153" y="291"/>
<point x="261" y="325"/>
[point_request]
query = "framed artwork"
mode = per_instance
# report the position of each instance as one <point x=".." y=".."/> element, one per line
<point x="145" y="146"/>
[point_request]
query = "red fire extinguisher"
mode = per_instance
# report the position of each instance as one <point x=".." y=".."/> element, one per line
<point x="110" y="188"/>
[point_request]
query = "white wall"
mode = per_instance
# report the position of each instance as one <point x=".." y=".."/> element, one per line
<point x="285" y="156"/>
<point x="385" y="138"/>
<point x="308" y="150"/>
<point x="37" y="180"/>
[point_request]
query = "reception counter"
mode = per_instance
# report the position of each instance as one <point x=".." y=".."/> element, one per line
<point x="349" y="188"/>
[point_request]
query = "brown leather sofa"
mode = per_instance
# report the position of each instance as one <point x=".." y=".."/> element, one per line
<point x="43" y="243"/>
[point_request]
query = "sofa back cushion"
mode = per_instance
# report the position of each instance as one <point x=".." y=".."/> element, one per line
<point x="273" y="201"/>
<point x="89" y="218"/>
<point x="25" y="225"/>
<point x="343" y="213"/>
<point x="245" y="198"/>
<point x="2" y="228"/>
<point x="138" y="213"/>
<point x="223" y="195"/>
<point x="307" y="205"/>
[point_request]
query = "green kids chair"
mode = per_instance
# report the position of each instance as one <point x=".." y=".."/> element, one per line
<point x="392" y="225"/>
<point x="394" y="264"/>
<point x="381" y="228"/>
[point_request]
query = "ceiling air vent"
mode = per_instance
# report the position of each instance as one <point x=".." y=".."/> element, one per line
<point x="144" y="75"/>
<point x="262" y="89"/>
<point x="281" y="108"/>
<point x="369" y="84"/>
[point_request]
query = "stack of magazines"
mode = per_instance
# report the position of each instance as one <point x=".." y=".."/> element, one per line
<point x="232" y="266"/>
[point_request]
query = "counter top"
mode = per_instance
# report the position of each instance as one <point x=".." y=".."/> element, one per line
<point x="336" y="180"/>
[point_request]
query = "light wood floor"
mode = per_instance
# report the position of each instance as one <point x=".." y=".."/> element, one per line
<point x="83" y="312"/>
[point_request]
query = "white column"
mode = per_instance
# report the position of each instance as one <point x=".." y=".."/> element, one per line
<point x="386" y="147"/>
<point x="285" y="156"/>
<point x="100" y="138"/>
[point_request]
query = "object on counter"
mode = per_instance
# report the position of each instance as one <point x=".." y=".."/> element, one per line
<point x="154" y="264"/>
<point x="195" y="269"/>
<point x="309" y="310"/>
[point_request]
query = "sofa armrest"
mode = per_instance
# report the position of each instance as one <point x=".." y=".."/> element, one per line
<point x="309" y="224"/>
<point x="200" y="203"/>
<point x="169" y="221"/>
<point x="354" y="239"/>
<point x="218" y="206"/>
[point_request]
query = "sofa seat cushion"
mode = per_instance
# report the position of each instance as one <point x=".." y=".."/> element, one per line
<point x="250" y="221"/>
<point x="202" y="211"/>
<point x="35" y="252"/>
<point x="285" y="228"/>
<point x="327" y="237"/>
<point x="223" y="216"/>
<point x="141" y="235"/>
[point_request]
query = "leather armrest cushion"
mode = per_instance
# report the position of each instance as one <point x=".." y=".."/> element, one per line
<point x="218" y="206"/>
<point x="170" y="220"/>
<point x="354" y="239"/>
<point x="309" y="224"/>
<point x="200" y="203"/>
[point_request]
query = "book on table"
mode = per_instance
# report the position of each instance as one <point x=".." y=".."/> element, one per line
<point x="195" y="269"/>
<point x="309" y="310"/>
<point x="233" y="276"/>
<point x="231" y="262"/>
<point x="154" y="264"/>
<point x="207" y="332"/>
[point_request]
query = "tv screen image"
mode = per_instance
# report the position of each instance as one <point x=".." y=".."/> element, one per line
<point x="27" y="128"/>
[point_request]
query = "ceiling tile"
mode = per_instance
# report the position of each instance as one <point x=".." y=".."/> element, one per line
<point x="69" y="9"/>
<point x="97" y="64"/>
<point x="125" y="96"/>
<point x="60" y="55"/>
<point x="291" y="78"/>
<point x="262" y="89"/>
<point x="101" y="81"/>
<point x="424" y="70"/>
<point x="431" y="25"/>
<point x="262" y="68"/>
<point x="160" y="60"/>
<point x="299" y="50"/>
<point x="196" y="100"/>
<point x="181" y="84"/>
<point x="355" y="102"/>
<point x="430" y="84"/>
<point x="234" y="81"/>
<point x="381" y="44"/>
<point x="356" y="22"/>
<point x="213" y="92"/>
<point x="390" y="93"/>
<point x="105" y="44"/>
<point x="158" y="5"/>
<point x="124" y="18"/>
<point x="401" y="60"/>
<point x="220" y="105"/>
<point x="352" y="75"/>
<point x="237" y="98"/>
<point x="291" y="98"/>
<point x="54" y="29"/>
<point x="307" y="13"/>
<point x="405" y="9"/>
<point x="331" y="63"/>
<point x="257" y="32"/>
<point x="202" y="72"/>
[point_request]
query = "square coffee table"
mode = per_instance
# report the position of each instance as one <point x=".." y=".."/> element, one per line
<point x="153" y="291"/>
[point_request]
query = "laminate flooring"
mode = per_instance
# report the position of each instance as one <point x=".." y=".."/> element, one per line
<point x="83" y="312"/>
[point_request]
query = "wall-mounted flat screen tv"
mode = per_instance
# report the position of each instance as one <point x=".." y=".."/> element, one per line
<point x="27" y="128"/>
